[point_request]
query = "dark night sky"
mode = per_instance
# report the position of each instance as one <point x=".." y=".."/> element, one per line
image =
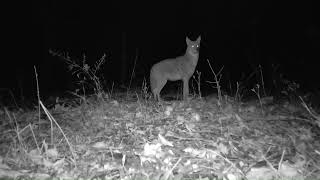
<point x="236" y="34"/>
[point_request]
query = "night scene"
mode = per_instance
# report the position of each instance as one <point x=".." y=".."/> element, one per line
<point x="164" y="90"/>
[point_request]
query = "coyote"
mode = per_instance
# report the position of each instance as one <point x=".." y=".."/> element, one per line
<point x="179" y="68"/>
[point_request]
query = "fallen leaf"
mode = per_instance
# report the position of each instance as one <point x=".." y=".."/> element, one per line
<point x="164" y="141"/>
<point x="100" y="145"/>
<point x="263" y="173"/>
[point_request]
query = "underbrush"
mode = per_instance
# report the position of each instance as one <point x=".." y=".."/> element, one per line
<point x="128" y="135"/>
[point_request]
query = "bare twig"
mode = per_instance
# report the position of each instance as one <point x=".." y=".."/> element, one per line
<point x="217" y="78"/>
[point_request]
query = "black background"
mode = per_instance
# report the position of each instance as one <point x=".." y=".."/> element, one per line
<point x="235" y="34"/>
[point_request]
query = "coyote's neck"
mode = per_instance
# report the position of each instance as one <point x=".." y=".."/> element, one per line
<point x="193" y="57"/>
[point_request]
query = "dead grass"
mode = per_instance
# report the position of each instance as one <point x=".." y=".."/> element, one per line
<point x="130" y="136"/>
<point x="142" y="139"/>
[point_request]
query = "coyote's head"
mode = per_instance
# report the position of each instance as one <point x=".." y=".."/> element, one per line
<point x="193" y="46"/>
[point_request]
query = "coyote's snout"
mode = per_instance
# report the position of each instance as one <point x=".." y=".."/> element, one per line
<point x="179" y="68"/>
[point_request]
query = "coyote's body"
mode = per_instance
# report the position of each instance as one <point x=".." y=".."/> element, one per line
<point x="179" y="68"/>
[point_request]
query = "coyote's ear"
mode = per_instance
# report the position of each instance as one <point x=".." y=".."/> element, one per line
<point x="198" y="39"/>
<point x="188" y="41"/>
